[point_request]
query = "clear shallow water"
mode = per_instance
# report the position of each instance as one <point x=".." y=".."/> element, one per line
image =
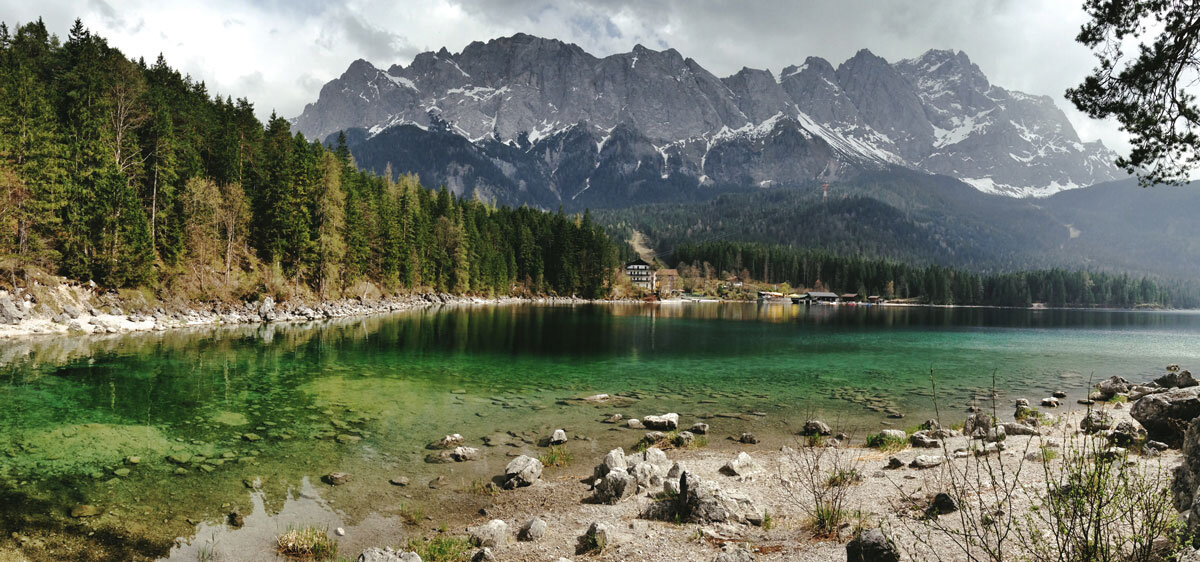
<point x="73" y="409"/>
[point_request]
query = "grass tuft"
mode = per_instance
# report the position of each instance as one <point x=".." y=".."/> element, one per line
<point x="411" y="515"/>
<point x="441" y="549"/>
<point x="557" y="456"/>
<point x="306" y="543"/>
<point x="886" y="444"/>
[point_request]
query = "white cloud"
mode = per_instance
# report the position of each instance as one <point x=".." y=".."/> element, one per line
<point x="278" y="53"/>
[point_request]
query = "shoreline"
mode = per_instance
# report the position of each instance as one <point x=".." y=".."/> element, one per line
<point x="78" y="310"/>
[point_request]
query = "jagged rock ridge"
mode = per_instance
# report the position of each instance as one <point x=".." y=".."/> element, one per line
<point x="541" y="121"/>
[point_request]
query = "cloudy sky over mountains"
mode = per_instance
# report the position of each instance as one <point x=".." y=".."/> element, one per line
<point x="278" y="53"/>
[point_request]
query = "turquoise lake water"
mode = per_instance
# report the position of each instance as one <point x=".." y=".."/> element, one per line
<point x="365" y="395"/>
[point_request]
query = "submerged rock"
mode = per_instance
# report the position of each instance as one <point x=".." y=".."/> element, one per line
<point x="665" y="422"/>
<point x="85" y="510"/>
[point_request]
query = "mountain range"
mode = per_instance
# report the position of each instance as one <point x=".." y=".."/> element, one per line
<point x="528" y="120"/>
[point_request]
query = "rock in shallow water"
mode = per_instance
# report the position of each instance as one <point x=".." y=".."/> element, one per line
<point x="522" y="471"/>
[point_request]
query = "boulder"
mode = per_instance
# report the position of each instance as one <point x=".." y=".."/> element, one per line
<point x="731" y="552"/>
<point x="995" y="434"/>
<point x="448" y="442"/>
<point x="923" y="439"/>
<point x="976" y="421"/>
<point x="871" y="545"/>
<point x="665" y="422"/>
<point x="1166" y="414"/>
<point x="634" y="423"/>
<point x="492" y="533"/>
<point x="685" y="439"/>
<point x="617" y="485"/>
<point x="1176" y="379"/>
<point x="336" y="478"/>
<point x="748" y="438"/>
<point x="522" y="471"/>
<point x="387" y="555"/>
<point x="1111" y="386"/>
<point x="816" y="427"/>
<point x="1187" y="474"/>
<point x="647" y="475"/>
<point x="597" y="537"/>
<point x="1058" y="394"/>
<point x="699" y="428"/>
<point x="927" y="461"/>
<point x="705" y="502"/>
<point x="894" y="434"/>
<point x="558" y="437"/>
<point x="613" y="460"/>
<point x="532" y="530"/>
<point x="1014" y="428"/>
<point x="1050" y="402"/>
<point x="741" y="465"/>
<point x="10" y="312"/>
<point x="942" y="504"/>
<point x="894" y="463"/>
<point x="1095" y="421"/>
<point x="1022" y="402"/>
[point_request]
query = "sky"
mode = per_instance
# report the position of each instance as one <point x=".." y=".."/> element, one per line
<point x="278" y="53"/>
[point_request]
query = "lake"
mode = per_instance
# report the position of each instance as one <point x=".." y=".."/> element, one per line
<point x="251" y="417"/>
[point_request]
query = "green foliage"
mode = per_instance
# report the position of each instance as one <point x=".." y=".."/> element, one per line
<point x="1147" y="93"/>
<point x="309" y="543"/>
<point x="441" y="548"/>
<point x="556" y="456"/>
<point x="885" y="443"/>
<point x="933" y="284"/>
<point x="134" y="175"/>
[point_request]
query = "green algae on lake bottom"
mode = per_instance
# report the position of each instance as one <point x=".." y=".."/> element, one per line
<point x="209" y="410"/>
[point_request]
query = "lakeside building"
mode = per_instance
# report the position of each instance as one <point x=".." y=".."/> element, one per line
<point x="820" y="296"/>
<point x="667" y="281"/>
<point x="640" y="274"/>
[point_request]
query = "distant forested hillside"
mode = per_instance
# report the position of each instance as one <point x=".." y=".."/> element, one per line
<point x="933" y="284"/>
<point x="132" y="175"/>
<point x="922" y="219"/>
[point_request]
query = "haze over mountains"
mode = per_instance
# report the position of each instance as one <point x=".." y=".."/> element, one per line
<point x="526" y="120"/>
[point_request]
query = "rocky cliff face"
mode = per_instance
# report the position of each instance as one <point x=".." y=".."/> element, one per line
<point x="532" y="120"/>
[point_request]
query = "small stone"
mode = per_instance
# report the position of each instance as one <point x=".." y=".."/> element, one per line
<point x="872" y="545"/>
<point x="252" y="437"/>
<point x="236" y="520"/>
<point x="483" y="555"/>
<point x="133" y="460"/>
<point x="448" y="442"/>
<point x="634" y="423"/>
<point x="816" y="427"/>
<point x="340" y="532"/>
<point x="943" y="503"/>
<point x="927" y="461"/>
<point x="741" y="465"/>
<point x="748" y="438"/>
<point x="699" y="428"/>
<point x="336" y="478"/>
<point x="894" y="463"/>
<point x="532" y="530"/>
<point x="399" y="481"/>
<point x="492" y="533"/>
<point x="558" y="437"/>
<point x="85" y="511"/>
<point x="122" y="472"/>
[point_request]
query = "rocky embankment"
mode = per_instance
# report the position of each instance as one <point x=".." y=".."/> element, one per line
<point x="84" y="309"/>
<point x="743" y="499"/>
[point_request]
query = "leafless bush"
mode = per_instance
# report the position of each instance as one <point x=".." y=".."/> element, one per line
<point x="818" y="480"/>
<point x="1100" y="504"/>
